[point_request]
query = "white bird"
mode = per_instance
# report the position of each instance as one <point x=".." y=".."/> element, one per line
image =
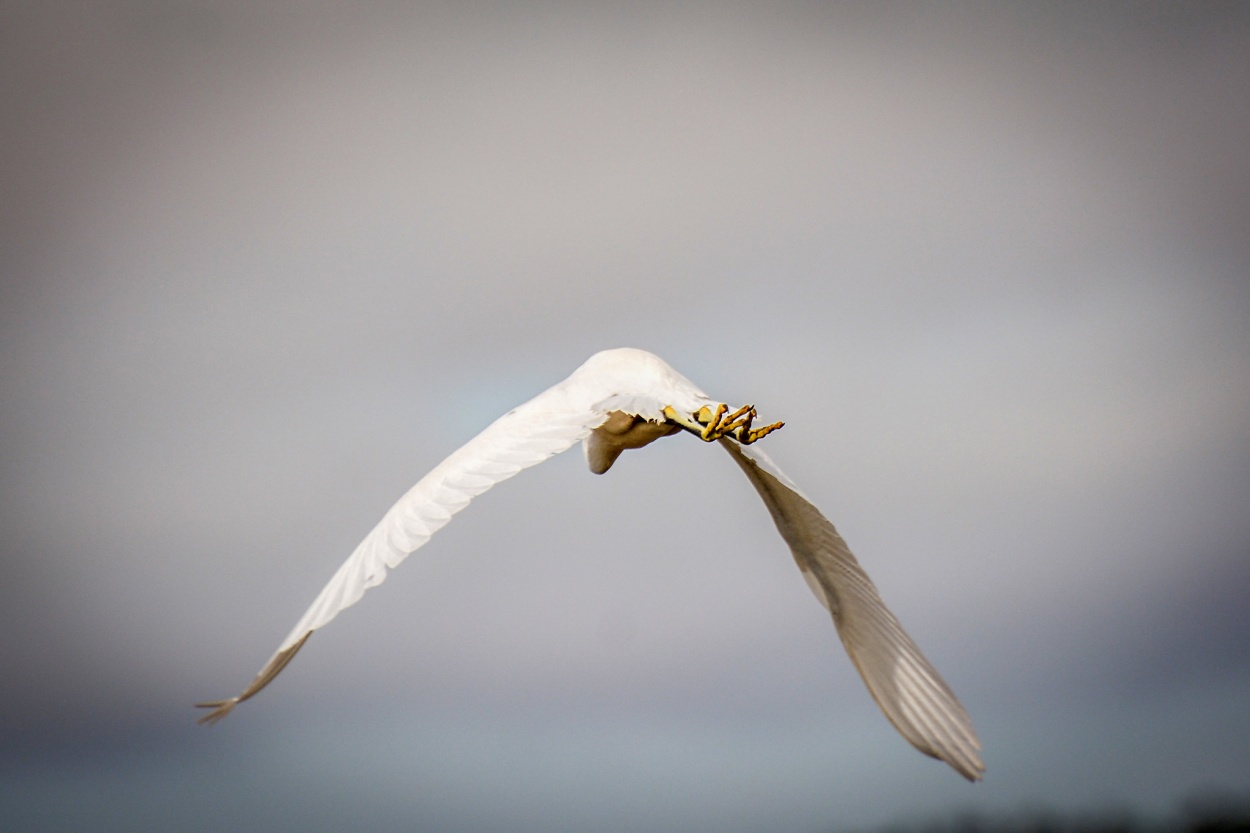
<point x="627" y="398"/>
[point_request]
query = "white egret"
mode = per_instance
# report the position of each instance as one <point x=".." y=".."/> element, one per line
<point x="626" y="398"/>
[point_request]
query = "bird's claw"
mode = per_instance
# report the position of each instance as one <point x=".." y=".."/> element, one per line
<point x="719" y="423"/>
<point x="748" y="435"/>
<point x="712" y="424"/>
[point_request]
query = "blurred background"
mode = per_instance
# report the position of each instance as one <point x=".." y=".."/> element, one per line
<point x="265" y="264"/>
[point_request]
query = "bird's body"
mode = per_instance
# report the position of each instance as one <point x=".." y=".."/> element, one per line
<point x="624" y="399"/>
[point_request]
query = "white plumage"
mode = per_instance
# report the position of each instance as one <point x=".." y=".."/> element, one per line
<point x="622" y="399"/>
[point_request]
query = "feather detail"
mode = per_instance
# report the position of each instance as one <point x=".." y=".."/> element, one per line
<point x="908" y="689"/>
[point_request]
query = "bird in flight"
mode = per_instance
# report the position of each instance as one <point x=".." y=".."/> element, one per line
<point x="627" y="398"/>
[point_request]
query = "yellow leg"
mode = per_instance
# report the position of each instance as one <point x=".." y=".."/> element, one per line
<point x="747" y="436"/>
<point x="709" y="424"/>
<point x="739" y="419"/>
<point x="710" y="420"/>
<point x="694" y="423"/>
<point x="721" y="422"/>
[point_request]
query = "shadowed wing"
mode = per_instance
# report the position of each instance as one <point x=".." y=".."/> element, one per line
<point x="529" y="434"/>
<point x="906" y="687"/>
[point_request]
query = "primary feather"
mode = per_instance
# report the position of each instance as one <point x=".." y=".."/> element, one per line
<point x="909" y="690"/>
<point x="614" y="402"/>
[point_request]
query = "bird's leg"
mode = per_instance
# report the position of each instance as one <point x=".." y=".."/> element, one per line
<point x="748" y="435"/>
<point x="708" y="419"/>
<point x="745" y="429"/>
<point x="709" y="424"/>
<point x="728" y="424"/>
<point x="738" y="425"/>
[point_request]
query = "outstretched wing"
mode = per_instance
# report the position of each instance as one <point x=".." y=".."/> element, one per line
<point x="908" y="689"/>
<point x="529" y="434"/>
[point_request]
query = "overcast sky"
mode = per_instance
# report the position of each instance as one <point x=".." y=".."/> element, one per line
<point x="263" y="265"/>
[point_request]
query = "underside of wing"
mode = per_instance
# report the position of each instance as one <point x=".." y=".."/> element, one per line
<point x="527" y="435"/>
<point x="626" y="380"/>
<point x="909" y="690"/>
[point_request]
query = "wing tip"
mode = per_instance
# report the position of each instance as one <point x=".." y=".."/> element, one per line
<point x="961" y="754"/>
<point x="968" y="764"/>
<point x="973" y="770"/>
<point x="220" y="708"/>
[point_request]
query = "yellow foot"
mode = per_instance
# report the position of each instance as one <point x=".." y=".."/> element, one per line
<point x="748" y="435"/>
<point x="719" y="423"/>
<point x="711" y="424"/>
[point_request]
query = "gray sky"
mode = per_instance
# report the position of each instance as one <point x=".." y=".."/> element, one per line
<point x="265" y="265"/>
